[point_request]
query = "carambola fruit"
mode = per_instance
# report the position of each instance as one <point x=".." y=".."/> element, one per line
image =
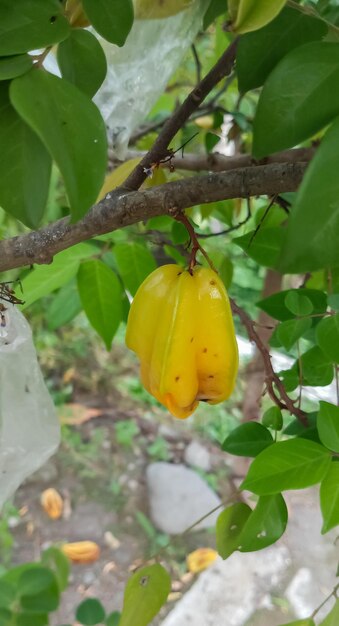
<point x="180" y="325"/>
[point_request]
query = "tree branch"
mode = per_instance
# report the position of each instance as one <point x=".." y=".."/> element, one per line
<point x="121" y="208"/>
<point x="160" y="150"/>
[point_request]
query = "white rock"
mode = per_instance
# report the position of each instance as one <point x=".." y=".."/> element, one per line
<point x="178" y="497"/>
<point x="229" y="592"/>
<point x="197" y="456"/>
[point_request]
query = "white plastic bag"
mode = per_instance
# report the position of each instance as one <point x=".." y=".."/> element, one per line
<point x="29" y="426"/>
<point x="139" y="71"/>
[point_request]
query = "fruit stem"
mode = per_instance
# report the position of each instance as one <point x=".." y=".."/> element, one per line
<point x="181" y="217"/>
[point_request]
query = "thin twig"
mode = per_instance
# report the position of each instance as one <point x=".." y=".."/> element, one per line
<point x="275" y="387"/>
<point x="197" y="62"/>
<point x="333" y="593"/>
<point x="231" y="228"/>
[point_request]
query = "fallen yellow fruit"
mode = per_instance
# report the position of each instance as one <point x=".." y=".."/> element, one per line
<point x="180" y="325"/>
<point x="200" y="559"/>
<point x="52" y="503"/>
<point x="81" y="551"/>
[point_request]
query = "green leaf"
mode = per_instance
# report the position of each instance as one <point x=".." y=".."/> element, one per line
<point x="273" y="418"/>
<point x="329" y="498"/>
<point x="293" y="464"/>
<point x="10" y="67"/>
<point x="179" y="233"/>
<point x="112" y="19"/>
<point x="254" y="14"/>
<point x="288" y="114"/>
<point x="290" y="331"/>
<point x="71" y="128"/>
<point x="229" y="526"/>
<point x="328" y="337"/>
<point x="7" y="594"/>
<point x="135" y="263"/>
<point x="145" y="593"/>
<point x="101" y="296"/>
<point x="38" y="590"/>
<point x="317" y="370"/>
<point x="113" y="619"/>
<point x="264" y="246"/>
<point x="298" y="303"/>
<point x="65" y="306"/>
<point x="44" y="279"/>
<point x="317" y="247"/>
<point x="58" y="563"/>
<point x="248" y="439"/>
<point x="266" y="524"/>
<point x="328" y="425"/>
<point x="31" y="619"/>
<point x="295" y="427"/>
<point x="90" y="612"/>
<point x="25" y="166"/>
<point x="216" y="8"/>
<point x="82" y="61"/>
<point x="259" y="52"/>
<point x="30" y="25"/>
<point x="275" y="305"/>
<point x="332" y="619"/>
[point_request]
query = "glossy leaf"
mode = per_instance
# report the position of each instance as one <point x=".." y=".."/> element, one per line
<point x="71" y="128"/>
<point x="13" y="66"/>
<point x="295" y="102"/>
<point x="259" y="52"/>
<point x="101" y="296"/>
<point x="275" y="305"/>
<point x="90" y="612"/>
<point x="329" y="497"/>
<point x="82" y="61"/>
<point x="328" y="337"/>
<point x="135" y="263"/>
<point x="332" y="619"/>
<point x="317" y="369"/>
<point x="229" y="527"/>
<point x="264" y="246"/>
<point x="65" y="306"/>
<point x="317" y="247"/>
<point x="44" y="279"/>
<point x="266" y="524"/>
<point x="248" y="439"/>
<point x="298" y="303"/>
<point x="112" y="19"/>
<point x="254" y="14"/>
<point x="113" y="619"/>
<point x="31" y="619"/>
<point x="272" y="418"/>
<point x="26" y="26"/>
<point x="293" y="464"/>
<point x="25" y="166"/>
<point x="290" y="331"/>
<point x="328" y="425"/>
<point x="145" y="593"/>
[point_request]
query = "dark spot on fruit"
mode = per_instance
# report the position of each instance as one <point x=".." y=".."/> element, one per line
<point x="204" y="350"/>
<point x="192" y="338"/>
<point x="212" y="282"/>
<point x="177" y="378"/>
<point x="215" y="355"/>
<point x="179" y="273"/>
<point x="211" y="376"/>
<point x="53" y="19"/>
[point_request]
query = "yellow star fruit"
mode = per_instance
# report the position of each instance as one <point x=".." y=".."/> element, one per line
<point x="180" y="325"/>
